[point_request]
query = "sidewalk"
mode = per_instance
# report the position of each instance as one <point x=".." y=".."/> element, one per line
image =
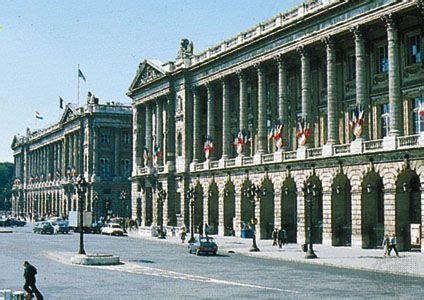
<point x="409" y="263"/>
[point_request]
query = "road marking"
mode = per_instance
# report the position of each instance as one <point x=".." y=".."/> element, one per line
<point x="133" y="268"/>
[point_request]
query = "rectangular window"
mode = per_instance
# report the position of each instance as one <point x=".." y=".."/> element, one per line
<point x="382" y="60"/>
<point x="126" y="167"/>
<point x="104" y="167"/>
<point x="414" y="50"/>
<point x="385" y="119"/>
<point x="105" y="138"/>
<point x="351" y="67"/>
<point x="418" y="115"/>
<point x="126" y="138"/>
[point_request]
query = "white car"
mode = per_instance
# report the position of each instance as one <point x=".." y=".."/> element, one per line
<point x="112" y="229"/>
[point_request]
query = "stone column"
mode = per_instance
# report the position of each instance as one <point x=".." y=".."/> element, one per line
<point x="135" y="146"/>
<point x="197" y="138"/>
<point x="95" y="149"/>
<point x="117" y="151"/>
<point x="243" y="125"/>
<point x="361" y="83"/>
<point x="226" y="126"/>
<point x="356" y="217"/>
<point x="305" y="86"/>
<point x="159" y="129"/>
<point x="170" y="142"/>
<point x="395" y="98"/>
<point x="262" y="109"/>
<point x="75" y="153"/>
<point x="211" y="115"/>
<point x="149" y="131"/>
<point x="332" y="120"/>
<point x="283" y="101"/>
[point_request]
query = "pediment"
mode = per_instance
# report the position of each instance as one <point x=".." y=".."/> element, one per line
<point x="148" y="70"/>
<point x="68" y="114"/>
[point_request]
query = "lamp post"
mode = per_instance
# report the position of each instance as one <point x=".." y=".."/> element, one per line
<point x="81" y="186"/>
<point x="123" y="202"/>
<point x="191" y="196"/>
<point x="251" y="192"/>
<point x="310" y="195"/>
<point x="94" y="205"/>
<point x="161" y="196"/>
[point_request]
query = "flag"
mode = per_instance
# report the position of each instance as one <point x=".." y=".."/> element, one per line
<point x="421" y="110"/>
<point x="61" y="102"/>
<point x="38" y="115"/>
<point x="80" y="75"/>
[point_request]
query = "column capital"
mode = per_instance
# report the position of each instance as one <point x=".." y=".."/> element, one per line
<point x="329" y="41"/>
<point x="303" y="51"/>
<point x="259" y="66"/>
<point x="358" y="32"/>
<point x="223" y="79"/>
<point x="390" y="21"/>
<point x="280" y="59"/>
<point x="208" y="85"/>
<point x="241" y="74"/>
<point x="194" y="88"/>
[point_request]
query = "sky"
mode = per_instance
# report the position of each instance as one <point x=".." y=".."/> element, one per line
<point x="42" y="43"/>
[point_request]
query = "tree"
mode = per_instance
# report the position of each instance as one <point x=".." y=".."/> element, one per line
<point x="6" y="178"/>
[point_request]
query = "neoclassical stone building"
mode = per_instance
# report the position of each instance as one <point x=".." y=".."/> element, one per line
<point x="94" y="140"/>
<point x="346" y="81"/>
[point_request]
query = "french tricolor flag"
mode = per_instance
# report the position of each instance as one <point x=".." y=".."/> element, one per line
<point x="38" y="115"/>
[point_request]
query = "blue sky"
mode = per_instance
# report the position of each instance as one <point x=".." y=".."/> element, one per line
<point x="42" y="42"/>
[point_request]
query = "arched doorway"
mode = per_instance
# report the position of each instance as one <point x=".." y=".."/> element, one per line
<point x="372" y="207"/>
<point x="198" y="207"/>
<point x="246" y="207"/>
<point x="408" y="210"/>
<point x="229" y="208"/>
<point x="289" y="209"/>
<point x="266" y="209"/>
<point x="341" y="208"/>
<point x="317" y="215"/>
<point x="213" y="209"/>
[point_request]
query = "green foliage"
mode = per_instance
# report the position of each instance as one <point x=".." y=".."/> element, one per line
<point x="6" y="178"/>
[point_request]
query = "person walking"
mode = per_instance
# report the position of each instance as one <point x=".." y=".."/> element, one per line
<point x="29" y="286"/>
<point x="392" y="245"/>
<point x="206" y="229"/>
<point x="183" y="235"/>
<point x="200" y="229"/>
<point x="281" y="237"/>
<point x="275" y="236"/>
<point x="386" y="243"/>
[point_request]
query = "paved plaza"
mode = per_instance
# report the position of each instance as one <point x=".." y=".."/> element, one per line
<point x="154" y="269"/>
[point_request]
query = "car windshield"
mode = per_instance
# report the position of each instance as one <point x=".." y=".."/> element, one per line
<point x="206" y="240"/>
<point x="115" y="226"/>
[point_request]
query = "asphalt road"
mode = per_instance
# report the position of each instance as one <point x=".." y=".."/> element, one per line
<point x="155" y="270"/>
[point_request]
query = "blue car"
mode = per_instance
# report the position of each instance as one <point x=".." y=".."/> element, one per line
<point x="43" y="227"/>
<point x="204" y="245"/>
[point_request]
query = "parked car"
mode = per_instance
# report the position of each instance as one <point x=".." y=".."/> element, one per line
<point x="60" y="226"/>
<point x="43" y="227"/>
<point x="112" y="229"/>
<point x="5" y="222"/>
<point x="96" y="227"/>
<point x="17" y="222"/>
<point x="203" y="244"/>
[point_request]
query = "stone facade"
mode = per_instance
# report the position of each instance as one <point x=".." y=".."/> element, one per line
<point x="318" y="65"/>
<point x="94" y="140"/>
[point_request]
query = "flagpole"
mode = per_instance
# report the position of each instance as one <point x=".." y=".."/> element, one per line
<point x="78" y="84"/>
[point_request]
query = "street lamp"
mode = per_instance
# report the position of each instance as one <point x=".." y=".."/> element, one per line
<point x="94" y="205"/>
<point x="250" y="193"/>
<point x="161" y="196"/>
<point x="311" y="190"/>
<point x="81" y="186"/>
<point x="191" y="195"/>
<point x="123" y="202"/>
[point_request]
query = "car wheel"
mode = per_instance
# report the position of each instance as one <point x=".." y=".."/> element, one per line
<point x="214" y="253"/>
<point x="197" y="252"/>
<point x="189" y="251"/>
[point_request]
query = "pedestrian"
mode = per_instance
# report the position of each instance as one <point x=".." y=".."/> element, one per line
<point x="274" y="236"/>
<point x="284" y="235"/>
<point x="200" y="229"/>
<point x="183" y="234"/>
<point x="393" y="245"/>
<point x="29" y="286"/>
<point x="206" y="229"/>
<point x="281" y="237"/>
<point x="386" y="243"/>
